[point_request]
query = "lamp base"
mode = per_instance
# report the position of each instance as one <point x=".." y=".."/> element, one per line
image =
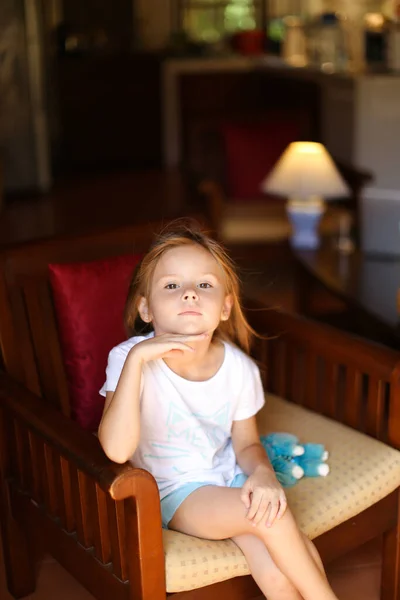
<point x="305" y="220"/>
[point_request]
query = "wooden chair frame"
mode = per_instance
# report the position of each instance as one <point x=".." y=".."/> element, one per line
<point x="102" y="521"/>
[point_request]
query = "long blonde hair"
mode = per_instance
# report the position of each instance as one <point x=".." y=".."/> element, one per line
<point x="236" y="329"/>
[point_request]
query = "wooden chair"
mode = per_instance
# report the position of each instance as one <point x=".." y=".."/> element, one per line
<point x="101" y="520"/>
<point x="262" y="219"/>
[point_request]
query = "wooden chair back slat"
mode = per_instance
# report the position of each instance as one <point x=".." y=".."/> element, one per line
<point x="8" y="458"/>
<point x="81" y="506"/>
<point x="352" y="398"/>
<point x="9" y="349"/>
<point x="25" y="367"/>
<point x="65" y="493"/>
<point x="281" y="382"/>
<point x="36" y="449"/>
<point x="38" y="329"/>
<point x="260" y="354"/>
<point x="375" y="407"/>
<point x="294" y="367"/>
<point x="116" y="523"/>
<point x="311" y="397"/>
<point x="330" y="389"/>
<point x="101" y="533"/>
<point x="22" y="456"/>
<point x="51" y="492"/>
<point x="393" y="413"/>
<point x="57" y="381"/>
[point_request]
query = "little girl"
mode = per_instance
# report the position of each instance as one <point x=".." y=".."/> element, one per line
<point x="181" y="402"/>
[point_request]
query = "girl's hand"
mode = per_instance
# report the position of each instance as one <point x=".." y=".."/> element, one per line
<point x="167" y="345"/>
<point x="264" y="497"/>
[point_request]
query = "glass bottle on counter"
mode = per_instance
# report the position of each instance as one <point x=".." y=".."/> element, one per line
<point x="326" y="43"/>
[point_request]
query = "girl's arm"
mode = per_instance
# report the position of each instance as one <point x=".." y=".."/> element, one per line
<point x="119" y="429"/>
<point x="262" y="494"/>
<point x="250" y="454"/>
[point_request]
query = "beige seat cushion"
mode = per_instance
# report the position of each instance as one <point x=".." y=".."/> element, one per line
<point x="362" y="472"/>
<point x="246" y="222"/>
<point x="254" y="223"/>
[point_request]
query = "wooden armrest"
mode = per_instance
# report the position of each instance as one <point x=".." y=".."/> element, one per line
<point x="70" y="441"/>
<point x="339" y="375"/>
<point x="59" y="479"/>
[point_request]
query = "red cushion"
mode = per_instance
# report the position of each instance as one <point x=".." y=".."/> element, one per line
<point x="89" y="300"/>
<point x="251" y="150"/>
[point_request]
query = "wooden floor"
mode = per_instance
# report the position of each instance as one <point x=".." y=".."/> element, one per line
<point x="114" y="200"/>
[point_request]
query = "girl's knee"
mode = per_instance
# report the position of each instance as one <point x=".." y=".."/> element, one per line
<point x="287" y="520"/>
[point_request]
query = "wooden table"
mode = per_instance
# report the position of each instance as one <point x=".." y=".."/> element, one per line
<point x="368" y="286"/>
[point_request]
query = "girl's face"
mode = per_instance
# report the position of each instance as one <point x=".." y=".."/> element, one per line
<point x="187" y="294"/>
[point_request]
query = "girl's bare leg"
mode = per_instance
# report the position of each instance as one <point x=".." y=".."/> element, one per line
<point x="314" y="553"/>
<point x="217" y="513"/>
<point x="271" y="581"/>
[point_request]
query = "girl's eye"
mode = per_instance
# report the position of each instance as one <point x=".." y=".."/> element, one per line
<point x="171" y="286"/>
<point x="204" y="285"/>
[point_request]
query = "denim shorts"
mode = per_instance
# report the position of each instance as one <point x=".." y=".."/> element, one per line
<point x="172" y="502"/>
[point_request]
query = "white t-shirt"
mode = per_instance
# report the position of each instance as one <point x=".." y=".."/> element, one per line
<point x="186" y="425"/>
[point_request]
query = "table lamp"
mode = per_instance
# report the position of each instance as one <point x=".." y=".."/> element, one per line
<point x="306" y="175"/>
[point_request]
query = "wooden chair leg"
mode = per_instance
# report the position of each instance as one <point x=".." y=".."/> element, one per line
<point x="19" y="560"/>
<point x="390" y="583"/>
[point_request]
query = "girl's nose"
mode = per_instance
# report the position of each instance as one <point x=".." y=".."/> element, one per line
<point x="190" y="294"/>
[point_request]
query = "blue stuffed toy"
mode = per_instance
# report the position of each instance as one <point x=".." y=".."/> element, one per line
<point x="313" y="460"/>
<point x="291" y="460"/>
<point x="281" y="448"/>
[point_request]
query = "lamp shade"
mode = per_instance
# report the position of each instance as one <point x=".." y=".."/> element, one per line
<point x="305" y="170"/>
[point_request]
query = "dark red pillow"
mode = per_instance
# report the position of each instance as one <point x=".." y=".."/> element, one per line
<point x="251" y="150"/>
<point x="89" y="300"/>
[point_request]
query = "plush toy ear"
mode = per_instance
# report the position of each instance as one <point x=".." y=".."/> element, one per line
<point x="315" y="452"/>
<point x="285" y="444"/>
